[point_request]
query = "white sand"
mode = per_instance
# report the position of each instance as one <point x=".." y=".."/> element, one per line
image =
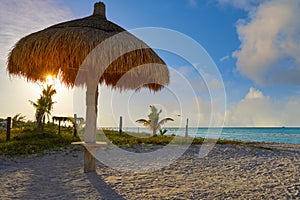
<point x="229" y="171"/>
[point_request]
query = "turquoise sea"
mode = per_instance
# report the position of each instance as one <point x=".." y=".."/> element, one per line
<point x="276" y="134"/>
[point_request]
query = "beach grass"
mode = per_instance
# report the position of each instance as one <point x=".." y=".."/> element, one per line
<point x="128" y="139"/>
<point x="30" y="141"/>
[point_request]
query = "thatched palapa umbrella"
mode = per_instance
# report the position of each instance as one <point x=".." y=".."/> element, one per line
<point x="86" y="52"/>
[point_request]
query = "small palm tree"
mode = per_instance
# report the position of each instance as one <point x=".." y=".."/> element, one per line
<point x="153" y="122"/>
<point x="48" y="94"/>
<point x="18" y="120"/>
<point x="44" y="105"/>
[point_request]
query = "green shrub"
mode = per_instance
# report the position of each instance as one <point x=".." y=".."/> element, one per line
<point x="29" y="141"/>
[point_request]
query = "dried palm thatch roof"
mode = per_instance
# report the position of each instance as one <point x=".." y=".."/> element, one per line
<point x="62" y="49"/>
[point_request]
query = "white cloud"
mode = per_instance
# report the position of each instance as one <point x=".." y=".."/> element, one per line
<point x="19" y="18"/>
<point x="270" y="43"/>
<point x="254" y="94"/>
<point x="258" y="110"/>
<point x="242" y="4"/>
<point x="224" y="58"/>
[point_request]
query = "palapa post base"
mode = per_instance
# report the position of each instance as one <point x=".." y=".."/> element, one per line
<point x="89" y="155"/>
<point x="89" y="160"/>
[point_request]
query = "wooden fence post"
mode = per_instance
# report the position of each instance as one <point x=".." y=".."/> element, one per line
<point x="58" y="127"/>
<point x="187" y="127"/>
<point x="8" y="125"/>
<point x="75" y="125"/>
<point x="120" y="126"/>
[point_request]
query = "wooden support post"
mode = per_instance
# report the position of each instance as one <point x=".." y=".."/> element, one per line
<point x="120" y="126"/>
<point x="8" y="125"/>
<point x="89" y="154"/>
<point x="186" y="128"/>
<point x="91" y="126"/>
<point x="89" y="160"/>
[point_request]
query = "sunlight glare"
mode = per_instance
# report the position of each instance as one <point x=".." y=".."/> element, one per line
<point x="49" y="80"/>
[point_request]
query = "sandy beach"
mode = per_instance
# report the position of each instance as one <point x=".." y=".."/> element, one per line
<point x="228" y="172"/>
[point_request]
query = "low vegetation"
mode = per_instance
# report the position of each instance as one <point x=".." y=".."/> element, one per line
<point x="29" y="140"/>
<point x="128" y="139"/>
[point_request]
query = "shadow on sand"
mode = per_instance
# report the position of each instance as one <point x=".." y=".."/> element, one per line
<point x="104" y="190"/>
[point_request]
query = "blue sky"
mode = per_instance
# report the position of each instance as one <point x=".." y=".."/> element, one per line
<point x="255" y="45"/>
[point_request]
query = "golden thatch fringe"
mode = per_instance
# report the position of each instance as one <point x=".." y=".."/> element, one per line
<point x="62" y="49"/>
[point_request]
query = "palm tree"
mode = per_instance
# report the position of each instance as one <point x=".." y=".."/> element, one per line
<point x="48" y="94"/>
<point x="44" y="105"/>
<point x="18" y="120"/>
<point x="153" y="122"/>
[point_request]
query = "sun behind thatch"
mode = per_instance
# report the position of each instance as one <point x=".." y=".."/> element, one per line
<point x="60" y="50"/>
